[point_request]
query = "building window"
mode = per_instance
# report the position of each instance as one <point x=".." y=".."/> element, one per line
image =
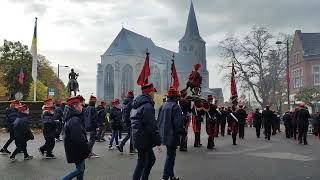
<point x="108" y="83"/>
<point x="297" y="78"/>
<point x="155" y="78"/>
<point x="316" y="75"/>
<point x="127" y="80"/>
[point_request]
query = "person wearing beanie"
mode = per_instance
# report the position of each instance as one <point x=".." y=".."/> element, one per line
<point x="22" y="133"/>
<point x="115" y="116"/>
<point x="170" y="128"/>
<point x="126" y="110"/>
<point x="49" y="132"/>
<point x="58" y="115"/>
<point x="303" y="116"/>
<point x="101" y="109"/>
<point x="185" y="105"/>
<point x="76" y="144"/>
<point x="91" y="124"/>
<point x="145" y="133"/>
<point x="11" y="116"/>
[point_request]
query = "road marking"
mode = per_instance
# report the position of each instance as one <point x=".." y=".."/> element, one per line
<point x="241" y="151"/>
<point x="281" y="155"/>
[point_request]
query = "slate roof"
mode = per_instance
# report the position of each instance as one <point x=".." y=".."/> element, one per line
<point x="310" y="44"/>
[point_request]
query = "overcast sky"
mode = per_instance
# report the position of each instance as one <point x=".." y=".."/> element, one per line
<point x="77" y="32"/>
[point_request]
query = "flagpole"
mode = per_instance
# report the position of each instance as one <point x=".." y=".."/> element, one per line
<point x="35" y="90"/>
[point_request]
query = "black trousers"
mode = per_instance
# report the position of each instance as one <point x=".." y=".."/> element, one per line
<point x="10" y="140"/>
<point x="48" y="145"/>
<point x="294" y="131"/>
<point x="223" y="127"/>
<point x="267" y="128"/>
<point x="59" y="129"/>
<point x="21" y="146"/>
<point x="100" y="134"/>
<point x="184" y="141"/>
<point x="241" y="131"/>
<point x="258" y="132"/>
<point x="303" y="131"/>
<point x="234" y="138"/>
<point x="288" y="131"/>
<point x="146" y="160"/>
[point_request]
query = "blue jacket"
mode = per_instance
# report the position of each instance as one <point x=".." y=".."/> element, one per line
<point x="11" y="114"/>
<point x="126" y="110"/>
<point x="22" y="131"/>
<point x="58" y="114"/>
<point x="49" y="125"/>
<point x="75" y="139"/>
<point x="115" y="118"/>
<point x="90" y="118"/>
<point x="170" y="123"/>
<point x="101" y="115"/>
<point x="145" y="133"/>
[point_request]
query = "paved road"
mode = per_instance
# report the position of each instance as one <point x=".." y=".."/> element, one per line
<point x="252" y="159"/>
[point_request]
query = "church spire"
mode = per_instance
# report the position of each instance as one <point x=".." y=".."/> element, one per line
<point x="192" y="31"/>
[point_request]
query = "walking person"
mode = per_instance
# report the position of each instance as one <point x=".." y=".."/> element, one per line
<point x="101" y="121"/>
<point x="287" y="120"/>
<point x="241" y="115"/>
<point x="91" y="124"/>
<point x="145" y="133"/>
<point x="170" y="128"/>
<point x="303" y="116"/>
<point x="115" y="117"/>
<point x="223" y="120"/>
<point x="234" y="124"/>
<point x="295" y="123"/>
<point x="22" y="133"/>
<point x="186" y="111"/>
<point x="126" y="110"/>
<point x="268" y="117"/>
<point x="257" y="121"/>
<point x="76" y="145"/>
<point x="58" y="115"/>
<point x="49" y="132"/>
<point x="11" y="116"/>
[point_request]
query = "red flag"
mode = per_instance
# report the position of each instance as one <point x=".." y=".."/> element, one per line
<point x="145" y="72"/>
<point x="174" y="76"/>
<point x="21" y="77"/>
<point x="234" y="94"/>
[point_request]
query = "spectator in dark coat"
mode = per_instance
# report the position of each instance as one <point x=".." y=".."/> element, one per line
<point x="22" y="133"/>
<point x="49" y="132"/>
<point x="91" y="124"/>
<point x="11" y="116"/>
<point x="145" y="134"/>
<point x="257" y="120"/>
<point x="287" y="120"/>
<point x="303" y="116"/>
<point x="76" y="145"/>
<point x="115" y="117"/>
<point x="170" y="128"/>
<point x="268" y="117"/>
<point x="101" y="121"/>
<point x="58" y="115"/>
<point x="241" y="115"/>
<point x="126" y="110"/>
<point x="295" y="123"/>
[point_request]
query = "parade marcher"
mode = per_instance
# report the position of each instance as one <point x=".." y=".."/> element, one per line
<point x="170" y="128"/>
<point x="91" y="125"/>
<point x="267" y="116"/>
<point x="58" y="115"/>
<point x="115" y="118"/>
<point x="11" y="116"/>
<point x="223" y="120"/>
<point x="241" y="114"/>
<point x="197" y="119"/>
<point x="295" y="123"/>
<point x="77" y="147"/>
<point x="234" y="124"/>
<point x="257" y="121"/>
<point x="186" y="110"/>
<point x="22" y="133"/>
<point x="49" y="132"/>
<point x="212" y="116"/>
<point x="229" y="110"/>
<point x="195" y="80"/>
<point x="303" y="116"/>
<point x="101" y="121"/>
<point x="287" y="120"/>
<point x="126" y="110"/>
<point x="145" y="133"/>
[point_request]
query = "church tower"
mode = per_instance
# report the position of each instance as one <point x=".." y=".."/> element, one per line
<point x="193" y="46"/>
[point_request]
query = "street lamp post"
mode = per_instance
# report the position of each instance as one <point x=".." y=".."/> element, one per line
<point x="288" y="82"/>
<point x="59" y="77"/>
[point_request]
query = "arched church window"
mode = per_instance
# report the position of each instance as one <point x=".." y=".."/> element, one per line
<point x="109" y="83"/>
<point x="155" y="78"/>
<point x="127" y="80"/>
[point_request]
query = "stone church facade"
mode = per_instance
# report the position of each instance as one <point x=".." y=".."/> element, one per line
<point x="122" y="62"/>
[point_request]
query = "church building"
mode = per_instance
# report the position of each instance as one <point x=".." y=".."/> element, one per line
<point x="122" y="62"/>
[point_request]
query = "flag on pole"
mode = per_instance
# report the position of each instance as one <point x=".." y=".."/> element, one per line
<point x="34" y="53"/>
<point x="174" y="76"/>
<point x="233" y="87"/>
<point x="21" y="77"/>
<point x="145" y="72"/>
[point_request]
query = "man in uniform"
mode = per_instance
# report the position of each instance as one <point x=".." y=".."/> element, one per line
<point x="223" y="120"/>
<point x="257" y="120"/>
<point x="197" y="118"/>
<point x="287" y="120"/>
<point x="303" y="116"/>
<point x="90" y="119"/>
<point x="212" y="116"/>
<point x="11" y="116"/>
<point x="186" y="110"/>
<point x="241" y="114"/>
<point x="234" y="125"/>
<point x="267" y="116"/>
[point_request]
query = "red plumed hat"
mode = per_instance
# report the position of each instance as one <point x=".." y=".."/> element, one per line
<point x="115" y="101"/>
<point x="73" y="100"/>
<point x="302" y="105"/>
<point x="93" y="99"/>
<point x="130" y="94"/>
<point x="172" y="92"/>
<point x="197" y="67"/>
<point x="148" y="88"/>
<point x="48" y="100"/>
